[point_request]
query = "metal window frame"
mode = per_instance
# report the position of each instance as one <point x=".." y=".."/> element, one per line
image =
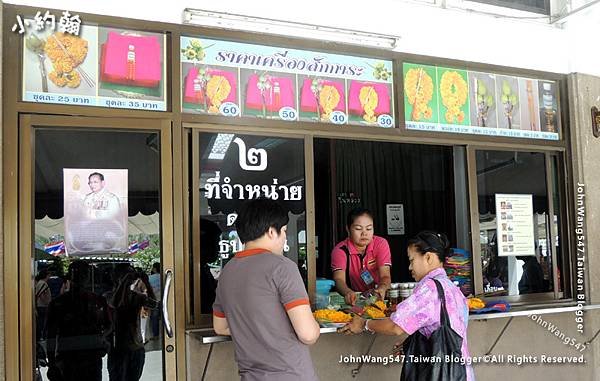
<point x="475" y="226"/>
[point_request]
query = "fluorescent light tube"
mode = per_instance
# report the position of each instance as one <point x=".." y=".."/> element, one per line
<point x="285" y="28"/>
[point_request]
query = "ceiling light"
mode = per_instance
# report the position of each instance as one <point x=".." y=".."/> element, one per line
<point x="220" y="146"/>
<point x="285" y="28"/>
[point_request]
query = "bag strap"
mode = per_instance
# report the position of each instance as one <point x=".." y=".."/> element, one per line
<point x="42" y="290"/>
<point x="345" y="250"/>
<point x="444" y="320"/>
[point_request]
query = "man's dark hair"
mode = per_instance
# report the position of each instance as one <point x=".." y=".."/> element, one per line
<point x="255" y="217"/>
<point x="100" y="175"/>
<point x="41" y="275"/>
<point x="79" y="272"/>
<point x="120" y="270"/>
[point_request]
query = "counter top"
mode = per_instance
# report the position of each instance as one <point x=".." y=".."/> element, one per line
<point x="528" y="310"/>
<point x="209" y="336"/>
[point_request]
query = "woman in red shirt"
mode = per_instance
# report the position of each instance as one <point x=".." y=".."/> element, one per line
<point x="363" y="260"/>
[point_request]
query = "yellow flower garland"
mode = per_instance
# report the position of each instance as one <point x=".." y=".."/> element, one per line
<point x="217" y="90"/>
<point x="418" y="87"/>
<point x="369" y="100"/>
<point x="332" y="316"/>
<point x="454" y="92"/>
<point x="329" y="98"/>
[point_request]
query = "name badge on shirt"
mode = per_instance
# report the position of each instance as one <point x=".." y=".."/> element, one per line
<point x="367" y="277"/>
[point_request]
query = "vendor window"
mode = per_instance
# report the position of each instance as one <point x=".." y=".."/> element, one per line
<point x="406" y="187"/>
<point x="518" y="256"/>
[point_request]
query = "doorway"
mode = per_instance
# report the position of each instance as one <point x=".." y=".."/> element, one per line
<point x="96" y="249"/>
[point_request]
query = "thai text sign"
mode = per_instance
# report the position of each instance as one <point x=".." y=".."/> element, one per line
<point x="467" y="102"/>
<point x="237" y="79"/>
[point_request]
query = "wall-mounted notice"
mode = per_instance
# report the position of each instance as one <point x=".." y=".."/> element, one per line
<point x="460" y="101"/>
<point x="395" y="219"/>
<point x="514" y="224"/>
<point x="95" y="202"/>
<point x="236" y="79"/>
<point x="102" y="67"/>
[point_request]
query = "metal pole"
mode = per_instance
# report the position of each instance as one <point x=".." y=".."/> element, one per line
<point x="499" y="336"/>
<point x="356" y="371"/>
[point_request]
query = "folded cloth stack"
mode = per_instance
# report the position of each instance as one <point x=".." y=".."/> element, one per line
<point x="495" y="306"/>
<point x="191" y="93"/>
<point x="131" y="60"/>
<point x="458" y="268"/>
<point x="279" y="93"/>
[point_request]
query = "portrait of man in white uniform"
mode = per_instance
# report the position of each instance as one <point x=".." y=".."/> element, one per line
<point x="100" y="203"/>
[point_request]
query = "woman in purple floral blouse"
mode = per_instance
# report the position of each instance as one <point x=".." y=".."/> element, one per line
<point x="421" y="311"/>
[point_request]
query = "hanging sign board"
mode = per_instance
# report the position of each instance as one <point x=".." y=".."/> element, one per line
<point x="103" y="67"/>
<point x="466" y="102"/>
<point x="238" y="79"/>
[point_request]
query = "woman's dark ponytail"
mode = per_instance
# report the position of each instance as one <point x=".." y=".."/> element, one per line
<point x="431" y="241"/>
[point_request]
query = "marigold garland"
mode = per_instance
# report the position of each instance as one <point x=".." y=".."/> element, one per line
<point x="418" y="87"/>
<point x="332" y="316"/>
<point x="217" y="90"/>
<point x="454" y="92"/>
<point x="374" y="312"/>
<point x="475" y="303"/>
<point x="329" y="97"/>
<point x="369" y="100"/>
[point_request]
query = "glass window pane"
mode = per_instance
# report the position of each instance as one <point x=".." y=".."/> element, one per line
<point x="92" y="189"/>
<point x="514" y="238"/>
<point x="234" y="168"/>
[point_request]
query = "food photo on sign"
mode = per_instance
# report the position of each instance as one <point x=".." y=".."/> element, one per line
<point x="60" y="63"/>
<point x="131" y="64"/>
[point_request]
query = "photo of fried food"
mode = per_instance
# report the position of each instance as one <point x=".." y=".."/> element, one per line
<point x="66" y="52"/>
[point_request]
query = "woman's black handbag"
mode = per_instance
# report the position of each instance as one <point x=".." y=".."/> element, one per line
<point x="436" y="358"/>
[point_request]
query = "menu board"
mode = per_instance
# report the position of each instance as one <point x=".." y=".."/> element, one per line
<point x="103" y="67"/>
<point x="245" y="80"/>
<point x="514" y="224"/>
<point x="461" y="101"/>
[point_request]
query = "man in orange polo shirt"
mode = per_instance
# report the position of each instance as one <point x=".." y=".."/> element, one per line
<point x="262" y="303"/>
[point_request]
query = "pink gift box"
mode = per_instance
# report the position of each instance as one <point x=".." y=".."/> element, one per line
<point x="383" y="96"/>
<point x="308" y="101"/>
<point x="191" y="96"/>
<point x="116" y="60"/>
<point x="273" y="102"/>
